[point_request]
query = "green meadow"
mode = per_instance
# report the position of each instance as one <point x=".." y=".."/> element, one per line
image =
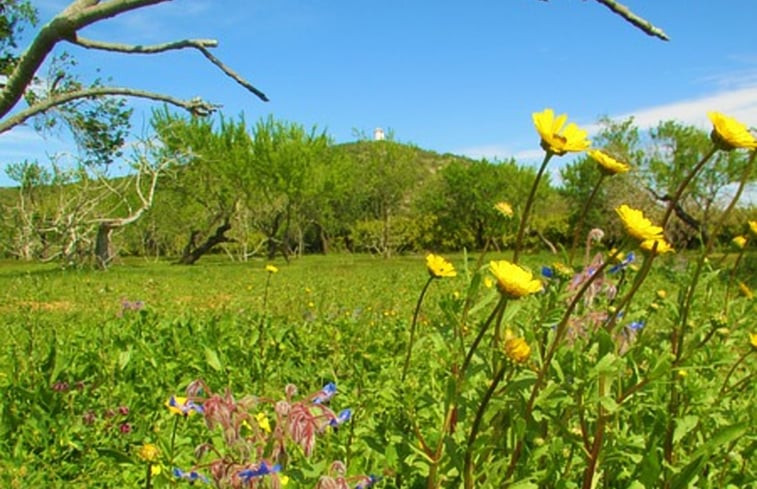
<point x="91" y="359"/>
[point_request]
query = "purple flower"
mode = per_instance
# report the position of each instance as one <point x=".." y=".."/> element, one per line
<point x="191" y="476"/>
<point x="263" y="469"/>
<point x="325" y="394"/>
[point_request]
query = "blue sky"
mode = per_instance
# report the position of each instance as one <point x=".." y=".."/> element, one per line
<point x="450" y="76"/>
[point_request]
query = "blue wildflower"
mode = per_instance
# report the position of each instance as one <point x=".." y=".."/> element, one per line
<point x="367" y="482"/>
<point x="325" y="394"/>
<point x="629" y="258"/>
<point x="192" y="476"/>
<point x="636" y="325"/>
<point x="183" y="406"/>
<point x="547" y="272"/>
<point x="341" y="418"/>
<point x="263" y="469"/>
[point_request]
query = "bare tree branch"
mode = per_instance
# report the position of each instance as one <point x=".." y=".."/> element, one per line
<point x="139" y="49"/>
<point x="199" y="44"/>
<point x="195" y="106"/>
<point x="634" y="19"/>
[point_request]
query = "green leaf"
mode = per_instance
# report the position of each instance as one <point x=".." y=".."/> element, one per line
<point x="683" y="426"/>
<point x="123" y="358"/>
<point x="211" y="357"/>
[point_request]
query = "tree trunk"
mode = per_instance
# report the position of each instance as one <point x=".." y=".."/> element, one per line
<point x="103" y="246"/>
<point x="193" y="253"/>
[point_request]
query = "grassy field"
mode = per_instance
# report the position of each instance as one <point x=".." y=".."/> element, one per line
<point x="91" y="358"/>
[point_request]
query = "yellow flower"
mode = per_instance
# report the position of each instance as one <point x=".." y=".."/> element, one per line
<point x="662" y="246"/>
<point x="155" y="470"/>
<point x="662" y="293"/>
<point x="517" y="350"/>
<point x="637" y="225"/>
<point x="271" y="269"/>
<point x="554" y="138"/>
<point x="753" y="340"/>
<point x="438" y="267"/>
<point x="746" y="291"/>
<point x="739" y="241"/>
<point x="148" y="452"/>
<point x="562" y="270"/>
<point x="607" y="164"/>
<point x="182" y="406"/>
<point x="753" y="227"/>
<point x="514" y="281"/>
<point x="262" y="421"/>
<point x="488" y="283"/>
<point x="504" y="208"/>
<point x="728" y="133"/>
<point x="283" y="480"/>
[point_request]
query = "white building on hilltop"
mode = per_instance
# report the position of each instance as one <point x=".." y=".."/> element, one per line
<point x="378" y="134"/>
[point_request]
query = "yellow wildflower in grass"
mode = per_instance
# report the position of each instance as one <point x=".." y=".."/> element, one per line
<point x="556" y="139"/>
<point x="148" y="452"/>
<point x="562" y="270"/>
<point x="753" y="340"/>
<point x="637" y="225"/>
<point x="438" y="267"/>
<point x="753" y="227"/>
<point x="739" y="241"/>
<point x="607" y="164"/>
<point x="504" y="208"/>
<point x="271" y="268"/>
<point x="746" y="291"/>
<point x="283" y="480"/>
<point x="262" y="421"/>
<point x="514" y="281"/>
<point x="517" y="350"/>
<point x="662" y="293"/>
<point x="488" y="282"/>
<point x="662" y="246"/>
<point x="728" y="133"/>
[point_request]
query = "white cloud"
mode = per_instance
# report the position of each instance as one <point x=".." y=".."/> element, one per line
<point x="740" y="104"/>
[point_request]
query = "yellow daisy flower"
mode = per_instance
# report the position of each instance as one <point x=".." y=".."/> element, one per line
<point x="271" y="269"/>
<point x="637" y="225"/>
<point x="728" y="133"/>
<point x="262" y="421"/>
<point x="746" y="291"/>
<point x="753" y="340"/>
<point x="504" y="208"/>
<point x="662" y="246"/>
<point x="739" y="241"/>
<point x="438" y="267"/>
<point x="555" y="138"/>
<point x="148" y="452"/>
<point x="517" y="350"/>
<point x="607" y="164"/>
<point x="753" y="227"/>
<point x="514" y="281"/>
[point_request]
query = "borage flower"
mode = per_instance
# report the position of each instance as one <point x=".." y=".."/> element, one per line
<point x="623" y="262"/>
<point x="728" y="133"/>
<point x="343" y="416"/>
<point x="263" y="468"/>
<point x="325" y="394"/>
<point x="556" y="139"/>
<point x="192" y="476"/>
<point x="636" y="225"/>
<point x="607" y="164"/>
<point x="514" y="281"/>
<point x="438" y="267"/>
<point x="183" y="406"/>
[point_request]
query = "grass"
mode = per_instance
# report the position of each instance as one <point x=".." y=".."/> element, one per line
<point x="84" y="379"/>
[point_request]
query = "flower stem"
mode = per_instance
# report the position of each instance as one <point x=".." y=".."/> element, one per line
<point x="529" y="204"/>
<point x="500" y="306"/>
<point x="148" y="476"/>
<point x="171" y="453"/>
<point x="412" y="328"/>
<point x="682" y="186"/>
<point x="582" y="217"/>
<point x="468" y="470"/>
